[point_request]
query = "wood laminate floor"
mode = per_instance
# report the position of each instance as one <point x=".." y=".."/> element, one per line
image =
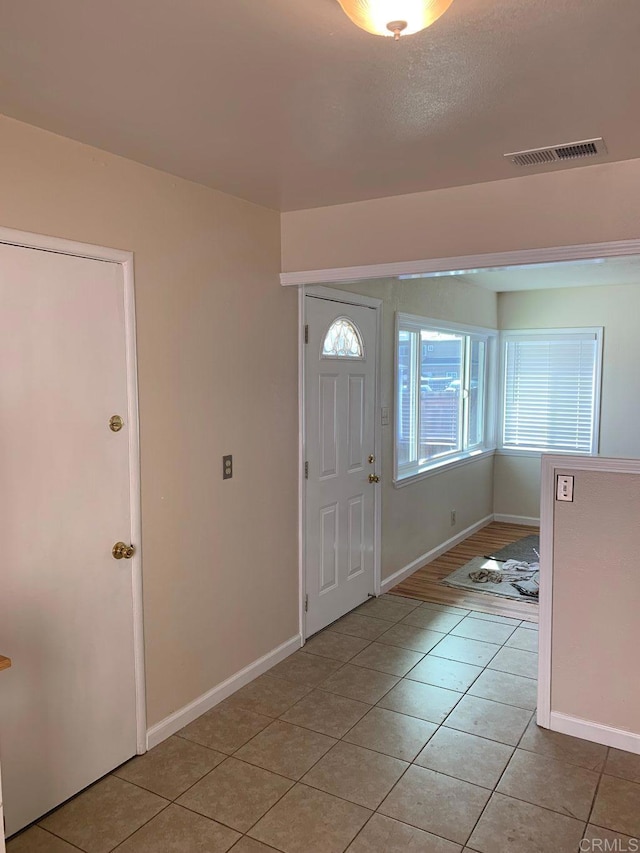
<point x="425" y="582"/>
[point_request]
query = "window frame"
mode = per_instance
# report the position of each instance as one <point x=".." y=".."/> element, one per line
<point x="408" y="473"/>
<point x="559" y="333"/>
<point x="361" y="356"/>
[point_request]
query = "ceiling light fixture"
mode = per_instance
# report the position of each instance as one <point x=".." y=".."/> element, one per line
<point x="394" y="17"/>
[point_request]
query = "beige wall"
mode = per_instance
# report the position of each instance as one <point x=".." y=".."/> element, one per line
<point x="516" y="487"/>
<point x="416" y="518"/>
<point x="616" y="308"/>
<point x="596" y="599"/>
<point x="217" y="370"/>
<point x="586" y="205"/>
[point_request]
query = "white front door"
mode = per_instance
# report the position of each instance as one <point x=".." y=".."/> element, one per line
<point x="67" y="705"/>
<point x="340" y="381"/>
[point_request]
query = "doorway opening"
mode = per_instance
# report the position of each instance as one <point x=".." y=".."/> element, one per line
<point x="577" y="304"/>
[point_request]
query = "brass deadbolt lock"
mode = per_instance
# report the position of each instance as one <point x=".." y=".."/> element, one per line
<point x="121" y="551"/>
<point x="372" y="459"/>
<point x="115" y="423"/>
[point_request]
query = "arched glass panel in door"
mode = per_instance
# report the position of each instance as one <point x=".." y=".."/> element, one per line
<point x="343" y="340"/>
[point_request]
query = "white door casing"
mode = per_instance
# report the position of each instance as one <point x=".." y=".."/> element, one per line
<point x="70" y="705"/>
<point x="340" y="502"/>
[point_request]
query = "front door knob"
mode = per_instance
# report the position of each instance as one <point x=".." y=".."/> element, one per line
<point x="121" y="551"/>
<point x="373" y="478"/>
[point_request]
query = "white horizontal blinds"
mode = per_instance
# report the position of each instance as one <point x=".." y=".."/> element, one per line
<point x="550" y="392"/>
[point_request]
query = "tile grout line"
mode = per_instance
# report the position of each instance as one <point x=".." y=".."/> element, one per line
<point x="483" y="669"/>
<point x="227" y="756"/>
<point x="299" y="781"/>
<point x="438" y="727"/>
<point x="318" y="686"/>
<point x="220" y="822"/>
<point x="518" y="799"/>
<point x="361" y="830"/>
<point x="127" y="837"/>
<point x="597" y="790"/>
<point x="48" y="832"/>
<point x="443" y="723"/>
<point x="411" y="763"/>
<point x="163" y="809"/>
<point x="341" y="738"/>
<point x="493" y="790"/>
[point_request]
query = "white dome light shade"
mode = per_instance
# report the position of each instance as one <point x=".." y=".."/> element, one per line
<point x="394" y="17"/>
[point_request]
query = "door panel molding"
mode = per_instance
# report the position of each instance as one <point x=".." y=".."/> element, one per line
<point x="61" y="246"/>
<point x="355" y="535"/>
<point x="328" y="547"/>
<point x="355" y="424"/>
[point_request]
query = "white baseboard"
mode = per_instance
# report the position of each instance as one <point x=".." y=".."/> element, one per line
<point x="517" y="519"/>
<point x="419" y="562"/>
<point x="596" y="732"/>
<point x="174" y="722"/>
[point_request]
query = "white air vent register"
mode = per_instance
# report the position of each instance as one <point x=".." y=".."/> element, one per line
<point x="558" y="153"/>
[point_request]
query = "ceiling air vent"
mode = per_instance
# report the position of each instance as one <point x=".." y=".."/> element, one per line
<point x="558" y="153"/>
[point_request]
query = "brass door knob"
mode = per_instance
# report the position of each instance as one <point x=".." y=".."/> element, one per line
<point x="373" y="478"/>
<point x="121" y="551"/>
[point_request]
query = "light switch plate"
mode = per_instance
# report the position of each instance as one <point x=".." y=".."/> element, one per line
<point x="564" y="488"/>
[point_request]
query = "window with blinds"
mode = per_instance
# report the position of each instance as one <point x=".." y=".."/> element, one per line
<point x="551" y="390"/>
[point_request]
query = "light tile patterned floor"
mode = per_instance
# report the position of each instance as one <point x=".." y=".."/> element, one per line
<point x="402" y="727"/>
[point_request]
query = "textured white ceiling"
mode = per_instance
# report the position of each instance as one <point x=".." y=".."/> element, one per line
<point x="288" y="104"/>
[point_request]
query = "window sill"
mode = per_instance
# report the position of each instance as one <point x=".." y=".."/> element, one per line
<point x="510" y="451"/>
<point x="442" y="466"/>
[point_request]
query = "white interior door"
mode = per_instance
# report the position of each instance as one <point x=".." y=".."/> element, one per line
<point x="67" y="705"/>
<point x="340" y="378"/>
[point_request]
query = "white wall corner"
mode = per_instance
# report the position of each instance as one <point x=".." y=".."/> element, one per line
<point x="183" y="716"/>
<point x="434" y="553"/>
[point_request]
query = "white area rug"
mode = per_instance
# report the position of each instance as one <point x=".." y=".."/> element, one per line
<point x="460" y="579"/>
